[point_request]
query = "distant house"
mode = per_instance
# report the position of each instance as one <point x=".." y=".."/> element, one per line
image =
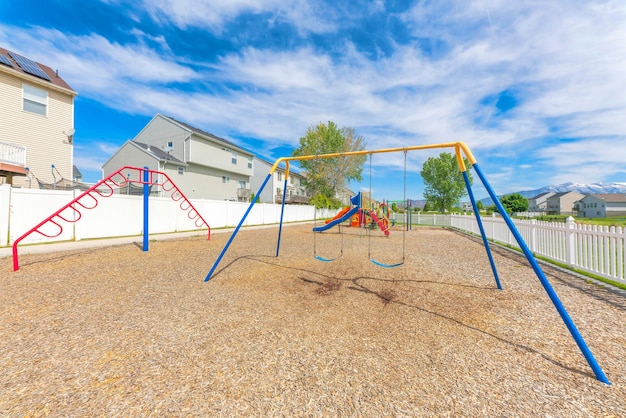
<point x="467" y="207"/>
<point x="36" y="123"/>
<point x="562" y="203"/>
<point x="201" y="164"/>
<point x="272" y="192"/>
<point x="601" y="206"/>
<point x="77" y="176"/>
<point x="539" y="203"/>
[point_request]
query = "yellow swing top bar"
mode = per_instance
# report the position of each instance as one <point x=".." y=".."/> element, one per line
<point x="458" y="147"/>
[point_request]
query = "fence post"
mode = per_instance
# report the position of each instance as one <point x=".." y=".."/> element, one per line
<point x="570" y="241"/>
<point x="533" y="235"/>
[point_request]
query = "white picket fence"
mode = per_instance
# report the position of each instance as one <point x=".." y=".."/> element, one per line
<point x="600" y="250"/>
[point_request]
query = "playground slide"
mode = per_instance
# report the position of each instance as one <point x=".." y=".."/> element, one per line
<point x="346" y="216"/>
<point x="339" y="215"/>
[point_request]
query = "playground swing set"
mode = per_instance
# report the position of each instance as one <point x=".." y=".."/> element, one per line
<point x="366" y="214"/>
<point x="461" y="150"/>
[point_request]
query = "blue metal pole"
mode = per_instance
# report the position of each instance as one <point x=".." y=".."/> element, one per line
<point x="282" y="212"/>
<point x="482" y="230"/>
<point x="232" y="237"/>
<point x="146" y="192"/>
<point x="545" y="283"/>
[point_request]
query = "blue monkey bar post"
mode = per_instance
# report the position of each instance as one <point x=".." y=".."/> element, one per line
<point x="146" y="195"/>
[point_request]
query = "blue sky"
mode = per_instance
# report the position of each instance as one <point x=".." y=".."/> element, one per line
<point x="536" y="89"/>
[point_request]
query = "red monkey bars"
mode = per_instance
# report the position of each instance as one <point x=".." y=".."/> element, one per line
<point x="123" y="177"/>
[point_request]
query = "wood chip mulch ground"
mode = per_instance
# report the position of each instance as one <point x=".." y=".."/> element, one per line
<point x="120" y="332"/>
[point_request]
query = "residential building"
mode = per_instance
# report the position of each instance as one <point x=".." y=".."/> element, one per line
<point x="601" y="206"/>
<point x="273" y="190"/>
<point x="562" y="203"/>
<point x="539" y="203"/>
<point x="201" y="164"/>
<point x="36" y="123"/>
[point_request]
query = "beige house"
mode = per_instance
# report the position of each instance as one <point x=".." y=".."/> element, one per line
<point x="562" y="203"/>
<point x="601" y="205"/>
<point x="273" y="190"/>
<point x="36" y="123"/>
<point x="201" y="164"/>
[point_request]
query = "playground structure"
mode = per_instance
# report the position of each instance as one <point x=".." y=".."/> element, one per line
<point x="369" y="215"/>
<point x="124" y="177"/>
<point x="461" y="150"/>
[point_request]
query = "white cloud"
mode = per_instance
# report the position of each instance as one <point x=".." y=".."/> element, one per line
<point x="564" y="63"/>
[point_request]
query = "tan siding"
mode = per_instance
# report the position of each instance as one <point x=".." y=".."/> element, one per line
<point x="42" y="135"/>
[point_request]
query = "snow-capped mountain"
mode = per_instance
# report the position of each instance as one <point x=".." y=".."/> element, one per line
<point x="591" y="188"/>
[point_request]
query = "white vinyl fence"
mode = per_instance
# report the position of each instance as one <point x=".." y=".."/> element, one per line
<point x="599" y="250"/>
<point x="122" y="215"/>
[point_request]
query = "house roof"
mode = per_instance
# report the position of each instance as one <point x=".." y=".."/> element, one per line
<point x="540" y="195"/>
<point x="561" y="194"/>
<point x="76" y="172"/>
<point x="158" y="153"/>
<point x="209" y="135"/>
<point x="610" y="197"/>
<point x="55" y="79"/>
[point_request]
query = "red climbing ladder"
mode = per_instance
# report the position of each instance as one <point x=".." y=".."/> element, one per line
<point x="123" y="177"/>
<point x="380" y="222"/>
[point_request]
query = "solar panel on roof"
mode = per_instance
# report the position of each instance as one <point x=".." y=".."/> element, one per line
<point x="4" y="60"/>
<point x="29" y="66"/>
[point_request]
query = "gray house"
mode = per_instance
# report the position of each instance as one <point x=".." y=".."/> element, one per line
<point x="272" y="193"/>
<point x="201" y="164"/>
<point x="601" y="205"/>
<point x="539" y="203"/>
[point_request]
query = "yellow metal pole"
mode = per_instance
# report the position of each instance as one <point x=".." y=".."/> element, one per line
<point x="460" y="145"/>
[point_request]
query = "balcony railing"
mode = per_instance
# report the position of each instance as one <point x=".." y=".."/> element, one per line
<point x="293" y="199"/>
<point x="12" y="154"/>
<point x="244" y="193"/>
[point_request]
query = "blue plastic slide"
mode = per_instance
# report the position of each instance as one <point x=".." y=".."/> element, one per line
<point x="337" y="221"/>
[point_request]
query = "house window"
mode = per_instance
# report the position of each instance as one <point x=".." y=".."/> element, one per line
<point x="181" y="170"/>
<point x="170" y="144"/>
<point x="233" y="157"/>
<point x="249" y="162"/>
<point x="35" y="100"/>
<point x="242" y="184"/>
<point x="225" y="179"/>
<point x="280" y="176"/>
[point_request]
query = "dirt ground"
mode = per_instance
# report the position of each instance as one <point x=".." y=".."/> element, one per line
<point x="120" y="332"/>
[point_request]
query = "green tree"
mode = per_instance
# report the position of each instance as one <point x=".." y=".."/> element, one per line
<point x="514" y="202"/>
<point x="444" y="181"/>
<point x="321" y="201"/>
<point x="327" y="176"/>
<point x="428" y="207"/>
<point x="394" y="207"/>
<point x="480" y="205"/>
